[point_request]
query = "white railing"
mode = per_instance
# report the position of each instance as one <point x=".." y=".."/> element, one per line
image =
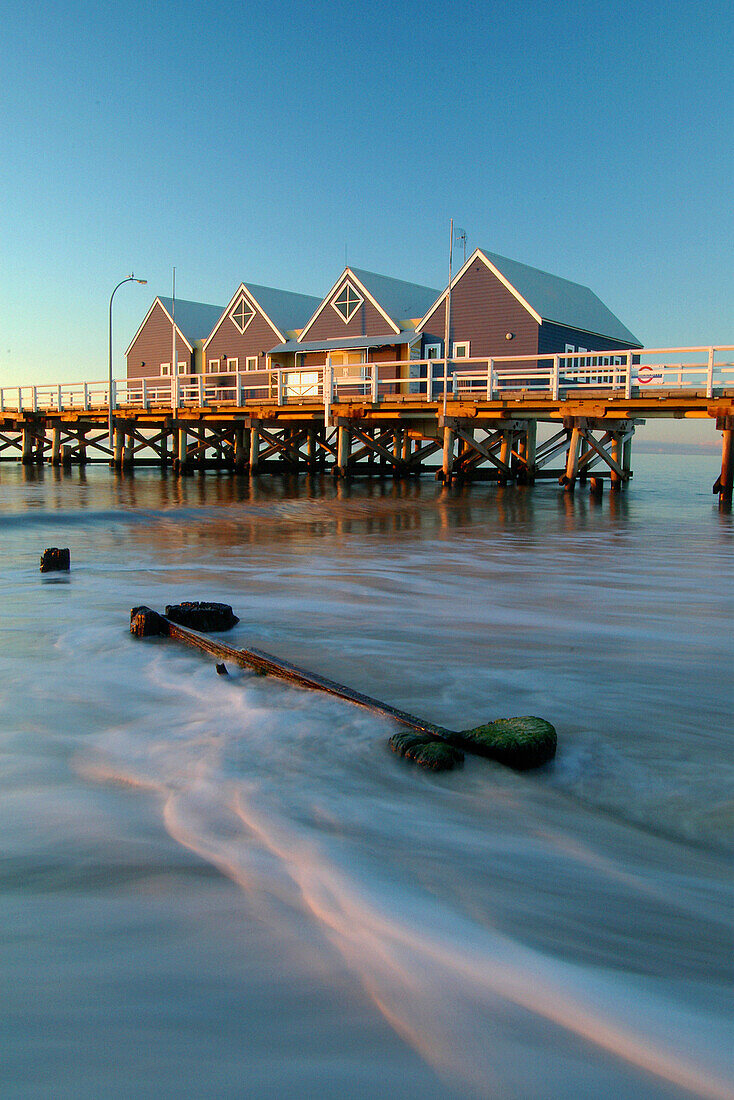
<point x="704" y="370"/>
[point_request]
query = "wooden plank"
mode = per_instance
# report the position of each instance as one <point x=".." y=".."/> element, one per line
<point x="268" y="665"/>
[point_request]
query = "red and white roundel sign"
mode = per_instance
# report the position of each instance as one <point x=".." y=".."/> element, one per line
<point x="645" y="375"/>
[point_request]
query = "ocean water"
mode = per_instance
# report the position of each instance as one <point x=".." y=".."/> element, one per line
<point x="221" y="887"/>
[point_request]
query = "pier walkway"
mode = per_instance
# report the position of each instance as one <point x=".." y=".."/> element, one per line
<point x="570" y="417"/>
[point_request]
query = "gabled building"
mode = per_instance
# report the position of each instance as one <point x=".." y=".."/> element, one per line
<point x="500" y="307"/>
<point x="150" y="350"/>
<point x="365" y="318"/>
<point x="256" y="318"/>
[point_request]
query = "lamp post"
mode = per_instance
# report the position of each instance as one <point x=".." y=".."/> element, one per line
<point x="129" y="279"/>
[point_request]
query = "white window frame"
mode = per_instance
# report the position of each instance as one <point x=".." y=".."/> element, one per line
<point x="462" y="344"/>
<point x="251" y="362"/>
<point x="183" y="368"/>
<point x="233" y="365"/>
<point x="360" y="301"/>
<point x="165" y="370"/>
<point x="242" y="298"/>
<point x="215" y="366"/>
<point x="432" y="351"/>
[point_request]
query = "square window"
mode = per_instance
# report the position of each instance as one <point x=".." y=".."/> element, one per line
<point x="461" y="351"/>
<point x="233" y="365"/>
<point x="166" y="370"/>
<point x="251" y="362"/>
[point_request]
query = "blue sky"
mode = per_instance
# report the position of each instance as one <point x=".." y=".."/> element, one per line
<point x="258" y="142"/>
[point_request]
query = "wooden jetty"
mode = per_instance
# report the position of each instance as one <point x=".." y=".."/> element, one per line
<point x="512" y="419"/>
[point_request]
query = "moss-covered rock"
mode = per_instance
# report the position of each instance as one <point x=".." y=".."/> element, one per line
<point x="520" y="743"/>
<point x="436" y="755"/>
<point x="402" y="742"/>
<point x="426" y="750"/>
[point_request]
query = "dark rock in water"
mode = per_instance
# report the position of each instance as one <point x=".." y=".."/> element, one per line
<point x="55" y="559"/>
<point x="436" y="755"/>
<point x="146" y="623"/>
<point x="202" y="616"/>
<point x="520" y="743"/>
<point x="222" y="670"/>
<point x="426" y="750"/>
<point x="405" y="740"/>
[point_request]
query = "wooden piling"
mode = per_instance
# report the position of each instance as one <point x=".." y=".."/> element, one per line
<point x="343" y="449"/>
<point x="724" y="484"/>
<point x="572" y="460"/>
<point x="82" y="446"/>
<point x="29" y="436"/>
<point x="118" y="446"/>
<point x="254" y="446"/>
<point x="66" y="457"/>
<point x="56" y="445"/>
<point x="531" y="444"/>
<point x="506" y="453"/>
<point x="311" y="447"/>
<point x="447" y="465"/>
<point x="615" y="452"/>
<point x="128" y="455"/>
<point x="181" y="463"/>
<point x="240" y="455"/>
<point x="164" y="448"/>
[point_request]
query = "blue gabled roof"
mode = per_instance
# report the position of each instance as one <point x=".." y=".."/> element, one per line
<point x="399" y="299"/>
<point x="560" y="300"/>
<point x="194" y="319"/>
<point x="285" y="309"/>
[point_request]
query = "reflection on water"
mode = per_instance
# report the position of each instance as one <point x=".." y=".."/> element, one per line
<point x="387" y="931"/>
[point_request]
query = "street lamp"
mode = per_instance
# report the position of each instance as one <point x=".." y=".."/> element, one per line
<point x="129" y="279"/>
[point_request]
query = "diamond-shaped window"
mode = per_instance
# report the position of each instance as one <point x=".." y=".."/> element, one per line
<point x="242" y="314"/>
<point x="347" y="303"/>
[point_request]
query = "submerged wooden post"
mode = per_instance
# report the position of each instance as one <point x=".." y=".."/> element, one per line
<point x="164" y="448"/>
<point x="66" y="457"/>
<point x="56" y="445"/>
<point x="82" y="446"/>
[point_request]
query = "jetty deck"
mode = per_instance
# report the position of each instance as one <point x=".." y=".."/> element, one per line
<point x="569" y="417"/>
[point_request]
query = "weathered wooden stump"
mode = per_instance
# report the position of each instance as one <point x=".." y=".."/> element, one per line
<point x="146" y="623"/>
<point x="55" y="560"/>
<point x="201" y="615"/>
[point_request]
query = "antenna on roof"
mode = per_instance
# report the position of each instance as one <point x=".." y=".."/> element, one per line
<point x="460" y="238"/>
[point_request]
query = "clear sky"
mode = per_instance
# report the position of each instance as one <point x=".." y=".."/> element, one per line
<point x="260" y="142"/>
